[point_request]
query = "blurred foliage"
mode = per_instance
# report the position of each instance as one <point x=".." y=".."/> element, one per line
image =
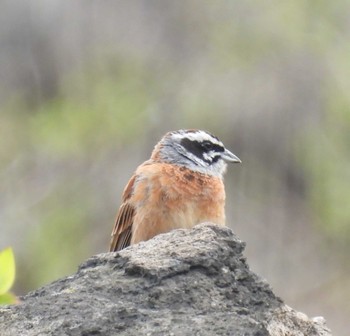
<point x="7" y="276"/>
<point x="327" y="163"/>
<point x="83" y="117"/>
<point x="69" y="130"/>
<point x="59" y="241"/>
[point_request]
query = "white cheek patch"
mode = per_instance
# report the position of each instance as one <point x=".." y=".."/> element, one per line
<point x="209" y="156"/>
<point x="215" y="169"/>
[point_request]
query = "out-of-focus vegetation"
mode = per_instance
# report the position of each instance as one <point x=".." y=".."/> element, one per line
<point x="327" y="162"/>
<point x="87" y="89"/>
<point x="7" y="276"/>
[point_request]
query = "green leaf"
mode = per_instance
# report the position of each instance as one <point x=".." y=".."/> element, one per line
<point x="7" y="270"/>
<point x="8" y="298"/>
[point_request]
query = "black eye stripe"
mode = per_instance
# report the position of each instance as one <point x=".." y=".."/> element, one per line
<point x="198" y="148"/>
<point x="207" y="145"/>
<point x="217" y="148"/>
<point x="216" y="158"/>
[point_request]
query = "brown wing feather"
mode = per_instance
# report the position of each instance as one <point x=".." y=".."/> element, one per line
<point x="121" y="234"/>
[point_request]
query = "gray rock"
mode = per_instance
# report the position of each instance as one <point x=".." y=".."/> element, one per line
<point x="185" y="282"/>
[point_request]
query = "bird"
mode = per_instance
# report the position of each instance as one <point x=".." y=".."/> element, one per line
<point x="180" y="186"/>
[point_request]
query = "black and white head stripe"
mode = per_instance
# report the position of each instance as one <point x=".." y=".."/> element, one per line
<point x="197" y="150"/>
<point x="196" y="135"/>
<point x="204" y="146"/>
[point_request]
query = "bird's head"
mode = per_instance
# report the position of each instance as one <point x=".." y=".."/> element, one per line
<point x="196" y="150"/>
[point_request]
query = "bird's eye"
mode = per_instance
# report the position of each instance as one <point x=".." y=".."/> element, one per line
<point x="207" y="145"/>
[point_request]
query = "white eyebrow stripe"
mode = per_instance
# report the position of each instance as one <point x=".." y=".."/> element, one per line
<point x="199" y="136"/>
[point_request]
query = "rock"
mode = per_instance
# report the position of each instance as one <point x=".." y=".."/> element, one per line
<point x="185" y="282"/>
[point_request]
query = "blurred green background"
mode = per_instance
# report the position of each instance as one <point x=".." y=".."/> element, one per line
<point x="87" y="89"/>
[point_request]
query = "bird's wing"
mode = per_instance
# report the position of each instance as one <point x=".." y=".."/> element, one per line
<point x="121" y="234"/>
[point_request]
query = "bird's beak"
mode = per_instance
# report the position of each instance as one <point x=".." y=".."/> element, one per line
<point x="230" y="157"/>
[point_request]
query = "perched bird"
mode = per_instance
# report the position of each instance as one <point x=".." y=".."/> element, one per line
<point x="181" y="185"/>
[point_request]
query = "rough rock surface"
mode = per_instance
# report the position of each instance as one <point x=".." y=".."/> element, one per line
<point x="186" y="282"/>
